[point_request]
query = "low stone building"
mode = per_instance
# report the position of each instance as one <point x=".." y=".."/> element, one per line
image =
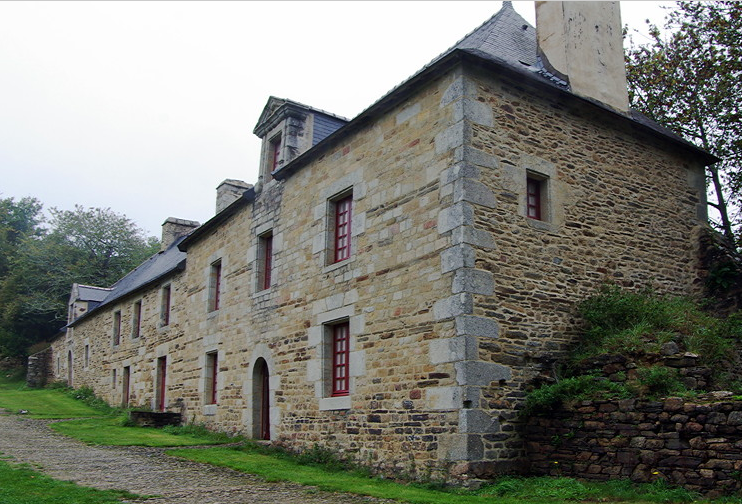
<point x="392" y="284"/>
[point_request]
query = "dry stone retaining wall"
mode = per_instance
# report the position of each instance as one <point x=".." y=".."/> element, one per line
<point x="697" y="446"/>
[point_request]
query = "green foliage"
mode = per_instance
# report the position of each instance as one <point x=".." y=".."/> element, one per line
<point x="87" y="396"/>
<point x="659" y="381"/>
<point x="21" y="485"/>
<point x="542" y="400"/>
<point x="89" y="246"/>
<point x="690" y="81"/>
<point x="631" y="323"/>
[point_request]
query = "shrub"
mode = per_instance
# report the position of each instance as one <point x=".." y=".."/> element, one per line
<point x="543" y="400"/>
<point x="657" y="381"/>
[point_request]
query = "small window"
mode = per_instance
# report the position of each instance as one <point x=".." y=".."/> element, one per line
<point x="117" y="328"/>
<point x="212" y="373"/>
<point x="265" y="261"/>
<point x="165" y="306"/>
<point x="136" y="319"/>
<point x="215" y="286"/>
<point x="87" y="355"/>
<point x="534" y="198"/>
<point x="113" y="379"/>
<point x="340" y="359"/>
<point x="342" y="216"/>
<point x="275" y="154"/>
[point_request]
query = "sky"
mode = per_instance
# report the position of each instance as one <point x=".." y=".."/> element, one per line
<point x="145" y="107"/>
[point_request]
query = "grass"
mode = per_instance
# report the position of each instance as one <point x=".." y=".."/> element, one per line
<point x="276" y="466"/>
<point x="111" y="431"/>
<point x="19" y="484"/>
<point x="41" y="403"/>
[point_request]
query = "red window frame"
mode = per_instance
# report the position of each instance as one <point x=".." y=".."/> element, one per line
<point x="340" y="359"/>
<point x="166" y="305"/>
<point x="267" y="262"/>
<point x="162" y="384"/>
<point x="276" y="151"/>
<point x="214" y="368"/>
<point x="533" y="198"/>
<point x="137" y="319"/>
<point x="117" y="328"/>
<point x="343" y="216"/>
<point x="216" y="279"/>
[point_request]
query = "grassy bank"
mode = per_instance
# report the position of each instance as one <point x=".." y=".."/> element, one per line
<point x="22" y="485"/>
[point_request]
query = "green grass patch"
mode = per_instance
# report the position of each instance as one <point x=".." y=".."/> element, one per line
<point x="21" y="485"/>
<point x="114" y="431"/>
<point x="547" y="398"/>
<point x="272" y="465"/>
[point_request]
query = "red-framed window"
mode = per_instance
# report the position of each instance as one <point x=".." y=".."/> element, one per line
<point x="342" y="228"/>
<point x="275" y="153"/>
<point x="136" y="319"/>
<point x="212" y="370"/>
<point x="165" y="307"/>
<point x="117" y="328"/>
<point x="340" y="359"/>
<point x="533" y="198"/>
<point x="267" y="262"/>
<point x="216" y="286"/>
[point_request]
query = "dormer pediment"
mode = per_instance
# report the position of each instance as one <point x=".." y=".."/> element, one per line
<point x="271" y="107"/>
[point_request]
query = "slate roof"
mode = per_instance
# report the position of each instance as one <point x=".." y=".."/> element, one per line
<point x="154" y="269"/>
<point x="91" y="293"/>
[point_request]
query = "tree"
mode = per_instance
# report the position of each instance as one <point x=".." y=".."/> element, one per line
<point x="18" y="220"/>
<point x="691" y="81"/>
<point x="91" y="246"/>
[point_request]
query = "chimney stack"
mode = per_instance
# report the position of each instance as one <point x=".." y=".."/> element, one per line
<point x="173" y="228"/>
<point x="228" y="192"/>
<point x="581" y="42"/>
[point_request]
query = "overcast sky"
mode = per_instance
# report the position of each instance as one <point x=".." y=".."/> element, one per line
<point x="145" y="107"/>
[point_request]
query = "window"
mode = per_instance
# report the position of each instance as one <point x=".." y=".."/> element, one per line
<point x="215" y="285"/>
<point x="533" y="198"/>
<point x="117" y="328"/>
<point x="265" y="261"/>
<point x="342" y="220"/>
<point x="136" y="319"/>
<point x="87" y="355"/>
<point x="340" y="359"/>
<point x="161" y="384"/>
<point x="275" y="154"/>
<point x="212" y="371"/>
<point x="113" y="379"/>
<point x="165" y="306"/>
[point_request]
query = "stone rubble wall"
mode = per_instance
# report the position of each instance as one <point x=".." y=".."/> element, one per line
<point x="39" y="368"/>
<point x="694" y="445"/>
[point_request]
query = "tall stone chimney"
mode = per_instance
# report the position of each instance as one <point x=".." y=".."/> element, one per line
<point x="229" y="191"/>
<point x="581" y="43"/>
<point x="173" y="228"/>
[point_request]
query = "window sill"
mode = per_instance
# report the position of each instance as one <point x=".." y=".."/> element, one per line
<point x="262" y="293"/>
<point x="542" y="225"/>
<point x="345" y="262"/>
<point x="210" y="409"/>
<point x="334" y="403"/>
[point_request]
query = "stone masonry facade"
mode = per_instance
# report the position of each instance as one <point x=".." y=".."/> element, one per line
<point x="454" y="299"/>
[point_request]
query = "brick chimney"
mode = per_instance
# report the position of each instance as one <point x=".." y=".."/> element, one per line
<point x="228" y="192"/>
<point x="173" y="228"/>
<point x="581" y="43"/>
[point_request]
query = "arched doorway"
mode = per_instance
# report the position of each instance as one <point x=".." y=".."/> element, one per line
<point x="261" y="400"/>
<point x="69" y="368"/>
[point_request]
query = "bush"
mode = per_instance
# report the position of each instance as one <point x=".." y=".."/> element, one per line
<point x="543" y="400"/>
<point x="658" y="381"/>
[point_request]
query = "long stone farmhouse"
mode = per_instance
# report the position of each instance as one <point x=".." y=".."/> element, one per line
<point x="392" y="285"/>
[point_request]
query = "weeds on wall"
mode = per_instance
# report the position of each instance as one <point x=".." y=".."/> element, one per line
<point x="637" y="326"/>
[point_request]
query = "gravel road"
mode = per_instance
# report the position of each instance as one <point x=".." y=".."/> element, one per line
<point x="148" y="471"/>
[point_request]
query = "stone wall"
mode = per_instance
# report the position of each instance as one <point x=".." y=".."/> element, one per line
<point x="39" y="368"/>
<point x="692" y="444"/>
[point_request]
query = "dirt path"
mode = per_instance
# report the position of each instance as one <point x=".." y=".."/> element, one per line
<point x="147" y="471"/>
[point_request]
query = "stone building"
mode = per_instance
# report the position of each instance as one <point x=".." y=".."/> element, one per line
<point x="393" y="284"/>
